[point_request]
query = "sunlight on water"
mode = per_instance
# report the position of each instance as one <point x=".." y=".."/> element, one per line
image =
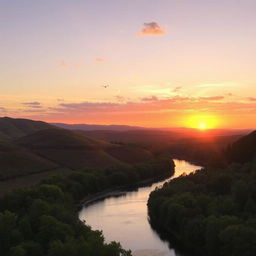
<point x="125" y="218"/>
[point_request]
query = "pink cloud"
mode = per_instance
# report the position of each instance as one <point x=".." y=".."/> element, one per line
<point x="152" y="98"/>
<point x="152" y="29"/>
<point x="34" y="104"/>
<point x="212" y="98"/>
<point x="148" y="110"/>
<point x="99" y="60"/>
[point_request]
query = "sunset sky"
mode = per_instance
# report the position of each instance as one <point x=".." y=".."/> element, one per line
<point x="168" y="63"/>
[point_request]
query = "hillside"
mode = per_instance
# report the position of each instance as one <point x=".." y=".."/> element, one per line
<point x="95" y="127"/>
<point x="211" y="211"/>
<point x="60" y="138"/>
<point x="11" y="128"/>
<point x="31" y="151"/>
<point x="243" y="150"/>
<point x="69" y="149"/>
<point x="17" y="161"/>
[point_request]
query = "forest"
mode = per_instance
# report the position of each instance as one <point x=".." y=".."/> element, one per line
<point x="42" y="220"/>
<point x="211" y="211"/>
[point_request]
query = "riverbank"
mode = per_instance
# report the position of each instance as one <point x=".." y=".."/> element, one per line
<point x="119" y="191"/>
<point x="130" y="212"/>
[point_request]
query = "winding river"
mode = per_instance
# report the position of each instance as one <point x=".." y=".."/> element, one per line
<point x="125" y="218"/>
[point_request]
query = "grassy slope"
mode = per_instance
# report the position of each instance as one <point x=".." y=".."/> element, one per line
<point x="31" y="151"/>
<point x="14" y="128"/>
<point x="17" y="161"/>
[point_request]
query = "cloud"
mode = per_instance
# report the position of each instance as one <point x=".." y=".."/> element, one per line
<point x="252" y="99"/>
<point x="88" y="105"/>
<point x="2" y="109"/>
<point x="147" y="110"/>
<point x="120" y="98"/>
<point x="152" y="29"/>
<point x="182" y="99"/>
<point x="145" y="104"/>
<point x="99" y="60"/>
<point x="33" y="110"/>
<point x="177" y="89"/>
<point x="152" y="98"/>
<point x="214" y="98"/>
<point x="34" y="104"/>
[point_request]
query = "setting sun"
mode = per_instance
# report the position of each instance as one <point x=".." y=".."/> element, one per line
<point x="202" y="122"/>
<point x="202" y="126"/>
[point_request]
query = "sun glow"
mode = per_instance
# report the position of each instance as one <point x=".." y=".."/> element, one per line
<point x="202" y="122"/>
<point x="202" y="126"/>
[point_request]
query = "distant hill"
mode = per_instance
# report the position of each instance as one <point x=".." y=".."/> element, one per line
<point x="69" y="149"/>
<point x="11" y="128"/>
<point x="96" y="127"/>
<point x="60" y="138"/>
<point x="243" y="150"/>
<point x="31" y="151"/>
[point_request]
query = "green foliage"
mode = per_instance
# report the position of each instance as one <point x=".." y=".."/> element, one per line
<point x="210" y="212"/>
<point x="41" y="221"/>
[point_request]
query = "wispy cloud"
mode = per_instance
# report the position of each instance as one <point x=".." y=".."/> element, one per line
<point x="34" y="104"/>
<point x="145" y="104"/>
<point x="34" y="110"/>
<point x="88" y="105"/>
<point x="99" y="59"/>
<point x="149" y="99"/>
<point x="152" y="29"/>
<point x="3" y="109"/>
<point x="121" y="98"/>
<point x="214" y="98"/>
<point x="144" y="109"/>
<point x="177" y="89"/>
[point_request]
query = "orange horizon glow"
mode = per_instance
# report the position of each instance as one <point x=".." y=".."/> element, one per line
<point x="183" y="70"/>
<point x="203" y="122"/>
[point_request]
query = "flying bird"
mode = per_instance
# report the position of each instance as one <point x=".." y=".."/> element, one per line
<point x="105" y="86"/>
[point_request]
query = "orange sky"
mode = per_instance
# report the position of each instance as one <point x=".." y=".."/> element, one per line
<point x="167" y="63"/>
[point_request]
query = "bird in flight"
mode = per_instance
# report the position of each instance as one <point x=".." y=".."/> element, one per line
<point x="105" y="86"/>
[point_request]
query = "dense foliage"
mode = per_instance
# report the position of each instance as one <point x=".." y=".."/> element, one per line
<point x="209" y="212"/>
<point x="242" y="150"/>
<point x="41" y="221"/>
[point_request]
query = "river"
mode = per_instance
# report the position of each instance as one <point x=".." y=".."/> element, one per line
<point x="125" y="218"/>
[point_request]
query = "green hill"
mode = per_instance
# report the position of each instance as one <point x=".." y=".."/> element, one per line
<point x="69" y="149"/>
<point x="31" y="151"/>
<point x="60" y="138"/>
<point x="16" y="161"/>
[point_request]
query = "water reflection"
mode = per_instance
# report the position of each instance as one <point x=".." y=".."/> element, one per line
<point x="124" y="218"/>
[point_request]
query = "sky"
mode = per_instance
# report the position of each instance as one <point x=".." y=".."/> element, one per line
<point x="164" y="63"/>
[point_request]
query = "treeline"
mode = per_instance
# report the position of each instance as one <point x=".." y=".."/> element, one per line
<point x="242" y="150"/>
<point x="42" y="221"/>
<point x="210" y="212"/>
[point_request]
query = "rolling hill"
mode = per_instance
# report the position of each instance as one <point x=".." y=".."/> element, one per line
<point x="11" y="128"/>
<point x="32" y="150"/>
<point x="95" y="127"/>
